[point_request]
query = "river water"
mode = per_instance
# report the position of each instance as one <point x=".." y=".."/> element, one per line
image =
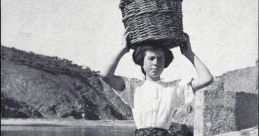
<point x="65" y="131"/>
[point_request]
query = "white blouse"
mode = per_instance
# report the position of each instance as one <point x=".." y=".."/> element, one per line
<point x="153" y="102"/>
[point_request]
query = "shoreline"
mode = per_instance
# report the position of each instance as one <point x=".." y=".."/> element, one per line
<point x="67" y="122"/>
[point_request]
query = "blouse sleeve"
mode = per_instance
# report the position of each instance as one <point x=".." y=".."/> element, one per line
<point x="126" y="95"/>
<point x="185" y="92"/>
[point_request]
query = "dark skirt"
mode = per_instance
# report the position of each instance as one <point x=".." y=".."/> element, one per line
<point x="151" y="132"/>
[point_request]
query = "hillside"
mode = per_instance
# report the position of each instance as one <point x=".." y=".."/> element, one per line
<point x="38" y="86"/>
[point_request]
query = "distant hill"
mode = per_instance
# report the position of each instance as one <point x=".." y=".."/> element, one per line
<point x="38" y="86"/>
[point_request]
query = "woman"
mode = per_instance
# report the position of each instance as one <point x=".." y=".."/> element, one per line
<point x="153" y="101"/>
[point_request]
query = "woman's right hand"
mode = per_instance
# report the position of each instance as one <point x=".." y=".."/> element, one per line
<point x="126" y="40"/>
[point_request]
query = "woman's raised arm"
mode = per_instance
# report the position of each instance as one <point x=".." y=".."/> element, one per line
<point x="108" y="74"/>
<point x="204" y="76"/>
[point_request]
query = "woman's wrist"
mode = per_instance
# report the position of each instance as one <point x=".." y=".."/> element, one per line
<point x="121" y="53"/>
<point x="189" y="55"/>
<point x="125" y="50"/>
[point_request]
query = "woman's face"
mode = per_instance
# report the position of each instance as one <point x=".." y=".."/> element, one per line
<point x="153" y="64"/>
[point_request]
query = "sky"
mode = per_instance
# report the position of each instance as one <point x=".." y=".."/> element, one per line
<point x="223" y="33"/>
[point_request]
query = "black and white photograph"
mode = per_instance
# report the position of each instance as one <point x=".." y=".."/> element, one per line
<point x="129" y="67"/>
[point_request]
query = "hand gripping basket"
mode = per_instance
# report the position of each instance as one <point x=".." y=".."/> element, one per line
<point x="153" y="21"/>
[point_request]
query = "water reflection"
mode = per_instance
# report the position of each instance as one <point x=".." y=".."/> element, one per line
<point x="64" y="131"/>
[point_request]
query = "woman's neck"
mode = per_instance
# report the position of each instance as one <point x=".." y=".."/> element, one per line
<point x="152" y="78"/>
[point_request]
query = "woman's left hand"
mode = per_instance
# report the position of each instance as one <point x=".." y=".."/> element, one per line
<point x="185" y="48"/>
<point x="204" y="75"/>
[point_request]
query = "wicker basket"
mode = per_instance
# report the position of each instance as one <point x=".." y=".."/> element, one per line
<point x="152" y="21"/>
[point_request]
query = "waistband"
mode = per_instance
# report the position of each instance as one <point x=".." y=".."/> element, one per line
<point x="153" y="128"/>
<point x="152" y="131"/>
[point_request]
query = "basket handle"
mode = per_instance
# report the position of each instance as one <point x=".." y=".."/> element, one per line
<point x="123" y="3"/>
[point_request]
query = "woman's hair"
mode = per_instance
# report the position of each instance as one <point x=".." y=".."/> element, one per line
<point x="139" y="54"/>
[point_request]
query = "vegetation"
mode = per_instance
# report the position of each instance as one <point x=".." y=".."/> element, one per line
<point x="53" y="65"/>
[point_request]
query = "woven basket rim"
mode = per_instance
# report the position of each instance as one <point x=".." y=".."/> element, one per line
<point x="123" y="6"/>
<point x="158" y="41"/>
<point x="150" y="12"/>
